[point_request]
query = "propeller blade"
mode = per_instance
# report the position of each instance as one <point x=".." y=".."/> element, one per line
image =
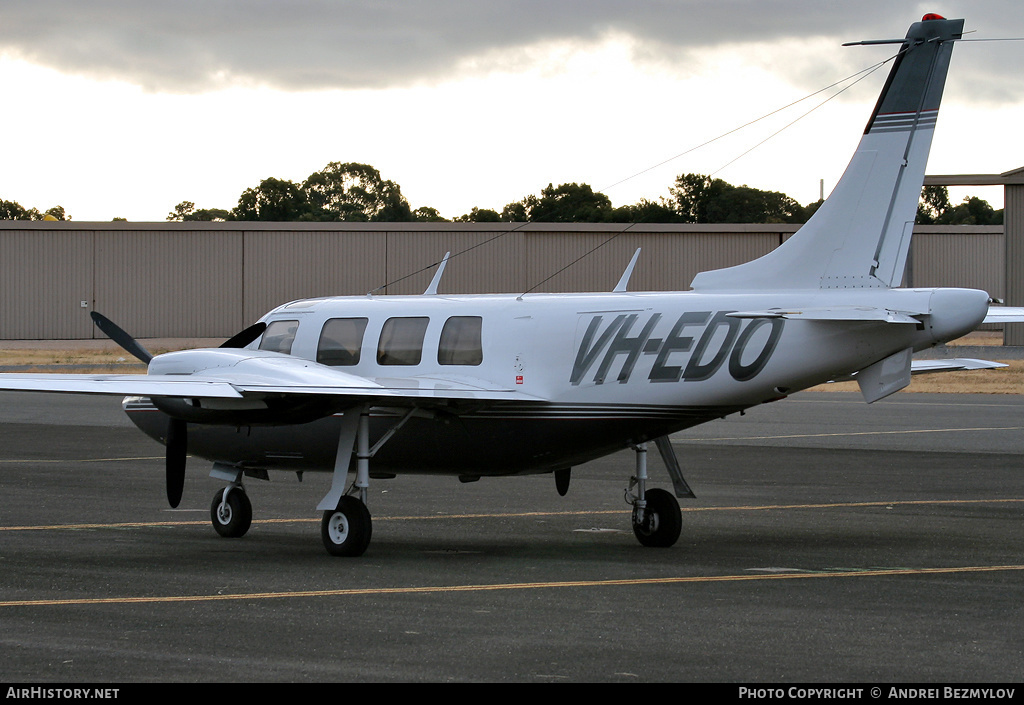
<point x="115" y="333"/>
<point x="177" y="447"/>
<point x="240" y="340"/>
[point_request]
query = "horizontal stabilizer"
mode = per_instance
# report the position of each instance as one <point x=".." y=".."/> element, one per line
<point x="921" y="367"/>
<point x="1005" y="314"/>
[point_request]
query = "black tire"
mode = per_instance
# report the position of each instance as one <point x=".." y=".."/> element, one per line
<point x="663" y="521"/>
<point x="346" y="530"/>
<point x="231" y="519"/>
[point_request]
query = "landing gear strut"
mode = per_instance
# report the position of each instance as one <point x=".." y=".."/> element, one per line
<point x="346" y="526"/>
<point x="657" y="521"/>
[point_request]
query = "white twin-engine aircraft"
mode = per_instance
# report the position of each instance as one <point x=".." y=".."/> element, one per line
<point x="490" y="385"/>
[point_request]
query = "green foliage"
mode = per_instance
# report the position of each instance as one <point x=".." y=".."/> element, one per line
<point x="338" y="192"/>
<point x="428" y="215"/>
<point x="12" y="210"/>
<point x="186" y="211"/>
<point x="935" y="208"/>
<point x="647" y="211"/>
<point x="353" y="192"/>
<point x="567" y="203"/>
<point x="701" y="199"/>
<point x="274" y="200"/>
<point x="349" y="191"/>
<point x="480" y="215"/>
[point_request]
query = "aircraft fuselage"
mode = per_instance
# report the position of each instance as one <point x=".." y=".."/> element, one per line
<point x="612" y="370"/>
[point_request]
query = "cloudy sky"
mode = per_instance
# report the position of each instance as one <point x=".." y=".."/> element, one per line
<point x="123" y="108"/>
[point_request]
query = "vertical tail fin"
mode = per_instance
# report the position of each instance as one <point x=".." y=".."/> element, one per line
<point x="860" y="235"/>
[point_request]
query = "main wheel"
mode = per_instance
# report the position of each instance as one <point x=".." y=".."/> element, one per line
<point x="233" y="516"/>
<point x="346" y="530"/>
<point x="662" y="521"/>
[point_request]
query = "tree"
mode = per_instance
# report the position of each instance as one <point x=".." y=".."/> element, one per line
<point x="934" y="202"/>
<point x="646" y="211"/>
<point x="11" y="210"/>
<point x="186" y="211"/>
<point x="273" y="199"/>
<point x="971" y="211"/>
<point x="353" y="191"/>
<point x="480" y="215"/>
<point x="567" y="203"/>
<point x="182" y="211"/>
<point x="428" y="215"/>
<point x="516" y="212"/>
<point x="701" y="199"/>
<point x="935" y="208"/>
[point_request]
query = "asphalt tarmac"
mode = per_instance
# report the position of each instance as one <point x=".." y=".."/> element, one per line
<point x="831" y="542"/>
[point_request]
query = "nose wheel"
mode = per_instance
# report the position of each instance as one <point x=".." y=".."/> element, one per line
<point x="231" y="512"/>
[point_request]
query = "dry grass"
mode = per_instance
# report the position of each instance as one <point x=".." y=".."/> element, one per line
<point x="84" y="360"/>
<point x="1004" y="380"/>
<point x="979" y="337"/>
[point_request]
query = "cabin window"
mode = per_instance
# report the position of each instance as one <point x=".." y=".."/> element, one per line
<point x="279" y="336"/>
<point x="401" y="341"/>
<point x="460" y="341"/>
<point x="340" y="342"/>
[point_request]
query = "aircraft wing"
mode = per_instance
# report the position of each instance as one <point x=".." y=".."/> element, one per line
<point x="299" y="378"/>
<point x="121" y="385"/>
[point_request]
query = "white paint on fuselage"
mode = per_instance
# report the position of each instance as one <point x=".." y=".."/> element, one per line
<point x="532" y="343"/>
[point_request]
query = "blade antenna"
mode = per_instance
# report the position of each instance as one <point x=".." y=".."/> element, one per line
<point x="432" y="288"/>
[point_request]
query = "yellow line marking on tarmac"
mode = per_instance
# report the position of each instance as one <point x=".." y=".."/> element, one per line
<point x="378" y="591"/>
<point x="849" y="433"/>
<point x="514" y="515"/>
<point x="73" y="460"/>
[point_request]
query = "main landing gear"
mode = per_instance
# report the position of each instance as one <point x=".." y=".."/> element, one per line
<point x="346" y="530"/>
<point x="657" y="520"/>
<point x="346" y="526"/>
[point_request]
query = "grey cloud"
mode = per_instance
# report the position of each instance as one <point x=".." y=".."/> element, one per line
<point x="197" y="45"/>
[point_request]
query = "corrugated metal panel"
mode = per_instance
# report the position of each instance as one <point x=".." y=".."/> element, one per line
<point x="44" y="277"/>
<point x="175" y="282"/>
<point x="483" y="261"/>
<point x="1013" y="204"/>
<point x="212" y="279"/>
<point x="959" y="257"/>
<point x="281" y="266"/>
<point x="576" y="261"/>
<point x="677" y="260"/>
<point x="668" y="260"/>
